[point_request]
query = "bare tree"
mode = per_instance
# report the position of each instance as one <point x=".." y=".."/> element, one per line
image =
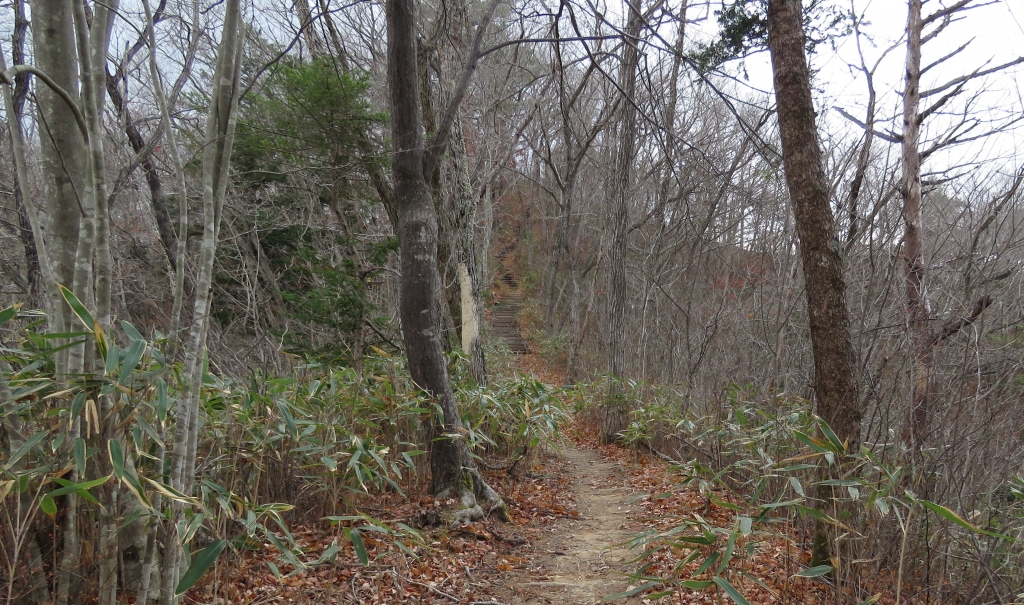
<point x="924" y="336"/>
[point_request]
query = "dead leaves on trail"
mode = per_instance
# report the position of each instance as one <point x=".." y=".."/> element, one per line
<point x="457" y="565"/>
<point x="759" y="567"/>
<point x="472" y="563"/>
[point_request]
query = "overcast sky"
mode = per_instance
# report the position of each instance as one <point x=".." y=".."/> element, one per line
<point x="997" y="31"/>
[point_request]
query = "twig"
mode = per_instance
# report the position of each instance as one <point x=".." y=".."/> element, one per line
<point x="443" y="594"/>
<point x="510" y="540"/>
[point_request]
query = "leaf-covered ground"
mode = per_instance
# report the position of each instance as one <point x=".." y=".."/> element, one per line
<point x="574" y="513"/>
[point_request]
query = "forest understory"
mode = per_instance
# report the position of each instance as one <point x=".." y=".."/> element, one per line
<point x="578" y="512"/>
<point x="503" y="302"/>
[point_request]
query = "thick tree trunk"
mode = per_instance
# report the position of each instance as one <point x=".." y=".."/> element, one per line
<point x="62" y="149"/>
<point x="834" y="359"/>
<point x="453" y="472"/>
<point x="461" y="221"/>
<point x="63" y="168"/>
<point x="835" y="369"/>
<point x="616" y="408"/>
<point x="313" y="41"/>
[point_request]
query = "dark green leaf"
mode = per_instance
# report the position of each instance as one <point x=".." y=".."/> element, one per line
<point x="130" y="330"/>
<point x="730" y="590"/>
<point x="8" y="314"/>
<point x="131" y="359"/>
<point x="949" y="515"/>
<point x="116" y="457"/>
<point x="200" y="563"/>
<point x="706" y="565"/>
<point x="30" y="443"/>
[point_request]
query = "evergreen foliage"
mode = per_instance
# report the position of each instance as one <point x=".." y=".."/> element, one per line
<point x="298" y="157"/>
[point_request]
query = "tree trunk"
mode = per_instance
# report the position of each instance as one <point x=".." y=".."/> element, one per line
<point x="834" y="359"/>
<point x="914" y="268"/>
<point x="62" y="149"/>
<point x="453" y="472"/>
<point x="616" y="408"/>
<point x="462" y="219"/>
<point x="33" y="274"/>
<point x="63" y="167"/>
<point x="835" y="368"/>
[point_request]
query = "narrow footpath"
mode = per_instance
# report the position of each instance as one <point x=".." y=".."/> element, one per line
<point x="581" y="560"/>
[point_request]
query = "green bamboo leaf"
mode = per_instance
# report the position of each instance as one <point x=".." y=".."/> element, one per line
<point x="412" y="532"/>
<point x="48" y="506"/>
<point x="9" y="313"/>
<point x="833" y="439"/>
<point x="706" y="565"/>
<point x="163" y="402"/>
<point x="170" y="492"/>
<point x="200" y="563"/>
<point x="130" y="330"/>
<point x="796" y="485"/>
<point x="289" y="420"/>
<point x="949" y="515"/>
<point x="815" y="444"/>
<point x="82" y="489"/>
<point x="135" y="487"/>
<point x="730" y="545"/>
<point x="193" y="526"/>
<point x="116" y="457"/>
<point x="730" y="590"/>
<point x="113" y="354"/>
<point x="814" y="572"/>
<point x="329" y="554"/>
<point x="131" y="359"/>
<point x="30" y="443"/>
<point x="360" y="548"/>
<point x="79" y="309"/>
<point x="696" y="584"/>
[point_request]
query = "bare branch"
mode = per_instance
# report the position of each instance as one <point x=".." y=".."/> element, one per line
<point x="951" y="329"/>
<point x="945" y="58"/>
<point x="8" y="76"/>
<point x="444" y="126"/>
<point x="885" y="136"/>
<point x="978" y="73"/>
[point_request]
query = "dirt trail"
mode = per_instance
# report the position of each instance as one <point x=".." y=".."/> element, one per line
<point x="582" y="559"/>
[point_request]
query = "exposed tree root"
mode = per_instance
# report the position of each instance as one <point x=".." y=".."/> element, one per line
<point x="477" y="500"/>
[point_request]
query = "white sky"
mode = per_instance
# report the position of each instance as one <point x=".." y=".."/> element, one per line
<point x="998" y="37"/>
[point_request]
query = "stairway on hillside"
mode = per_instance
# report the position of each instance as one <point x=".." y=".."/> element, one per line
<point x="505" y="314"/>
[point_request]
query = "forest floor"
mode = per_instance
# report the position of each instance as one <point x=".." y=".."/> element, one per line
<point x="574" y="512"/>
